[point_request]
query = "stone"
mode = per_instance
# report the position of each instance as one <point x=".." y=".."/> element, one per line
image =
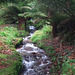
<point x="28" y="48"/>
<point x="27" y="41"/>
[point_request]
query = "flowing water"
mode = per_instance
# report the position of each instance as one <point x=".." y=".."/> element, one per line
<point x="35" y="61"/>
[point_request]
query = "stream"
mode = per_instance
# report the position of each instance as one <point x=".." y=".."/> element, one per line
<point x="35" y="60"/>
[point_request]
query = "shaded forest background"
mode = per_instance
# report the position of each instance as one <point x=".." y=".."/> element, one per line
<point x="55" y="21"/>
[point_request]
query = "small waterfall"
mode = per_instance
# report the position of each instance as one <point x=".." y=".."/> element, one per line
<point x="35" y="61"/>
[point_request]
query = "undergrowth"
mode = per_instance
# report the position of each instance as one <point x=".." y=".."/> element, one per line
<point x="13" y="64"/>
<point x="41" y="34"/>
<point x="10" y="60"/>
<point x="62" y="56"/>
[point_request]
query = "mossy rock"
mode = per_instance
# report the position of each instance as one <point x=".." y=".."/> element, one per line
<point x="19" y="42"/>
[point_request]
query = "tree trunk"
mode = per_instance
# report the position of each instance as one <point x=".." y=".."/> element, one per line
<point x="21" y="21"/>
<point x="54" y="30"/>
<point x="25" y="25"/>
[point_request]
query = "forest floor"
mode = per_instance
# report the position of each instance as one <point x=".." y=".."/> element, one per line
<point x="9" y="58"/>
<point x="5" y="51"/>
<point x="64" y="56"/>
<point x="62" y="48"/>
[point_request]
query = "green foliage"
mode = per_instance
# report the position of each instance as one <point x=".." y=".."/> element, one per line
<point x="68" y="69"/>
<point x="9" y="13"/>
<point x="3" y="56"/>
<point x="64" y="67"/>
<point x="42" y="34"/>
<point x="2" y="47"/>
<point x="10" y="37"/>
<point x="58" y="18"/>
<point x="40" y="22"/>
<point x="5" y="1"/>
<point x="10" y="34"/>
<point x="39" y="25"/>
<point x="18" y="43"/>
<point x="59" y="12"/>
<point x="55" y="6"/>
<point x="9" y="10"/>
<point x="67" y="30"/>
<point x="15" y="67"/>
<point x="1" y="22"/>
<point x="34" y="14"/>
<point x="47" y="29"/>
<point x="23" y="33"/>
<point x="50" y="51"/>
<point x="39" y="38"/>
<point x="35" y="38"/>
<point x="31" y="11"/>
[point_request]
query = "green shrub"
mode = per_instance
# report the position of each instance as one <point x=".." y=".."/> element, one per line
<point x="40" y="23"/>
<point x="34" y="38"/>
<point x="10" y="34"/>
<point x="40" y="35"/>
<point x="23" y="33"/>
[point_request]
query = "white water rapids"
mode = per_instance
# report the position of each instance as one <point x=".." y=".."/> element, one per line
<point x="35" y="61"/>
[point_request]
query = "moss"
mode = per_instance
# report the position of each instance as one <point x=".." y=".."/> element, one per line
<point x="19" y="42"/>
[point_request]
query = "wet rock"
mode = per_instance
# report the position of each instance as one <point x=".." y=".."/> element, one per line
<point x="28" y="48"/>
<point x="29" y="37"/>
<point x="35" y="54"/>
<point x="23" y="53"/>
<point x="24" y="67"/>
<point x="37" y="63"/>
<point x="31" y="72"/>
<point x="45" y="61"/>
<point x="27" y="41"/>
